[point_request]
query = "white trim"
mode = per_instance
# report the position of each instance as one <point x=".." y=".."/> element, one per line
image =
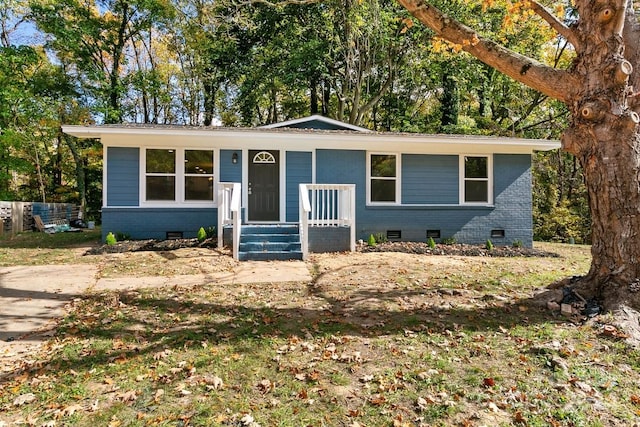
<point x="462" y="179"/>
<point x="397" y="178"/>
<point x="245" y="185"/>
<point x="315" y="117"/>
<point x="105" y="183"/>
<point x="263" y="157"/>
<point x="282" y="191"/>
<point x="179" y="200"/>
<point x="307" y="140"/>
<point x="313" y="167"/>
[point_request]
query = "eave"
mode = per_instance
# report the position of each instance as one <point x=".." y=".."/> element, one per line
<point x="306" y="140"/>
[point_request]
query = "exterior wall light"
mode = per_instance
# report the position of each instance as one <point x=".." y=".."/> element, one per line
<point x="234" y="158"/>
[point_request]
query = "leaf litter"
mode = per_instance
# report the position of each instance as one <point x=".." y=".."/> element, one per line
<point x="374" y="339"/>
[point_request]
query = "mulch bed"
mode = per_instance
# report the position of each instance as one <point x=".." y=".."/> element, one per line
<point x="456" y="249"/>
<point x="151" y="245"/>
<point x="403" y="247"/>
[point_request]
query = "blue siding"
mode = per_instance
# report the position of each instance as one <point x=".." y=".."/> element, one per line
<point x="429" y="179"/>
<point x="123" y="176"/>
<point x="298" y="172"/>
<point x="230" y="172"/>
<point x="153" y="223"/>
<point x="469" y="224"/>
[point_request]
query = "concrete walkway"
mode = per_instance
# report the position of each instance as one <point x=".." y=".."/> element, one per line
<point x="32" y="298"/>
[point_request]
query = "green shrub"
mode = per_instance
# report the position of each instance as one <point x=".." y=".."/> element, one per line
<point x="431" y="243"/>
<point x="489" y="245"/>
<point x="202" y="235"/>
<point x="211" y="232"/>
<point x="372" y="240"/>
<point x="449" y="241"/>
<point x="381" y="238"/>
<point x="517" y="243"/>
<point x="110" y="239"/>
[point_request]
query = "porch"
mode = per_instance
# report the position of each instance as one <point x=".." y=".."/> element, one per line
<point x="326" y="223"/>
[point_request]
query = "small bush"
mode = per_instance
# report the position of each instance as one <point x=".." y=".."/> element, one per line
<point x="431" y="243"/>
<point x="110" y="239"/>
<point x="211" y="232"/>
<point x="202" y="235"/>
<point x="120" y="236"/>
<point x="449" y="241"/>
<point x="489" y="245"/>
<point x="517" y="243"/>
<point x="381" y="238"/>
<point x="372" y="240"/>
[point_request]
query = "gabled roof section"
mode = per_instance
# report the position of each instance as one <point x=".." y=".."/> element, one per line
<point x="316" y="122"/>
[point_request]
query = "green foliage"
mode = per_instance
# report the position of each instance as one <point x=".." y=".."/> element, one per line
<point x="431" y="243"/>
<point x="448" y="241"/>
<point x="560" y="208"/>
<point x="381" y="238"/>
<point x="120" y="236"/>
<point x="110" y="239"/>
<point x="561" y="224"/>
<point x="517" y="243"/>
<point x="489" y="245"/>
<point x="202" y="235"/>
<point x="371" y="241"/>
<point x="211" y="232"/>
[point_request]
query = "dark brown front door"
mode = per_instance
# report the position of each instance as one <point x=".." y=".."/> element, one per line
<point x="264" y="185"/>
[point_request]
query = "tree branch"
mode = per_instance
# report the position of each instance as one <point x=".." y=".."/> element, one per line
<point x="557" y="84"/>
<point x="556" y="24"/>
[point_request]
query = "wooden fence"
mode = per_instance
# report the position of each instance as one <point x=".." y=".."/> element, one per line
<point x="18" y="216"/>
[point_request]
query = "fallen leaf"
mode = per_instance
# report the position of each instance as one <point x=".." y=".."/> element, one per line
<point x="378" y="400"/>
<point x="488" y="382"/>
<point x="127" y="396"/>
<point x="70" y="410"/>
<point x="23" y="399"/>
<point x="214" y="382"/>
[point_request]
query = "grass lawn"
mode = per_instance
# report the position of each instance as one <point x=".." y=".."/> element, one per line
<point x="376" y="339"/>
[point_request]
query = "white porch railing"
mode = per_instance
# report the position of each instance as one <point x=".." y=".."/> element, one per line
<point x="230" y="212"/>
<point x="327" y="205"/>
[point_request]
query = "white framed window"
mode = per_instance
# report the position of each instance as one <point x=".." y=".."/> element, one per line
<point x="383" y="178"/>
<point x="198" y="175"/>
<point x="160" y="175"/>
<point x="178" y="176"/>
<point x="476" y="179"/>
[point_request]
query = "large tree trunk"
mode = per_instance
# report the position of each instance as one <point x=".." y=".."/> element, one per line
<point x="604" y="136"/>
<point x="604" y="133"/>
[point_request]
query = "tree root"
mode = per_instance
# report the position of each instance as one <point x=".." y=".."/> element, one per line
<point x="620" y="303"/>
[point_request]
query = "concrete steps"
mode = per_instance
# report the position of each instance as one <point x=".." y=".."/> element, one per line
<point x="269" y="242"/>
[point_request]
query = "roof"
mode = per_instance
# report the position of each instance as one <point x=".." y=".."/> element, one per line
<point x="305" y="138"/>
<point x="317" y="122"/>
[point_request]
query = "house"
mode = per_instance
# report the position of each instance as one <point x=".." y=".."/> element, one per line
<point x="323" y="182"/>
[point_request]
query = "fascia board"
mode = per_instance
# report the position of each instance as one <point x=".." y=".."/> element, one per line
<point x="308" y="141"/>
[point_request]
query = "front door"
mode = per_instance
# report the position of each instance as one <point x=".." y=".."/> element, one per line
<point x="264" y="185"/>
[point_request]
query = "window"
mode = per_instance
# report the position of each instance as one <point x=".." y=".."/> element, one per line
<point x="161" y="174"/>
<point x="383" y="178"/>
<point x="183" y="176"/>
<point x="475" y="182"/>
<point x="198" y="175"/>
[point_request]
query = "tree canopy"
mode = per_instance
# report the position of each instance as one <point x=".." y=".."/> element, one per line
<point x="196" y="62"/>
